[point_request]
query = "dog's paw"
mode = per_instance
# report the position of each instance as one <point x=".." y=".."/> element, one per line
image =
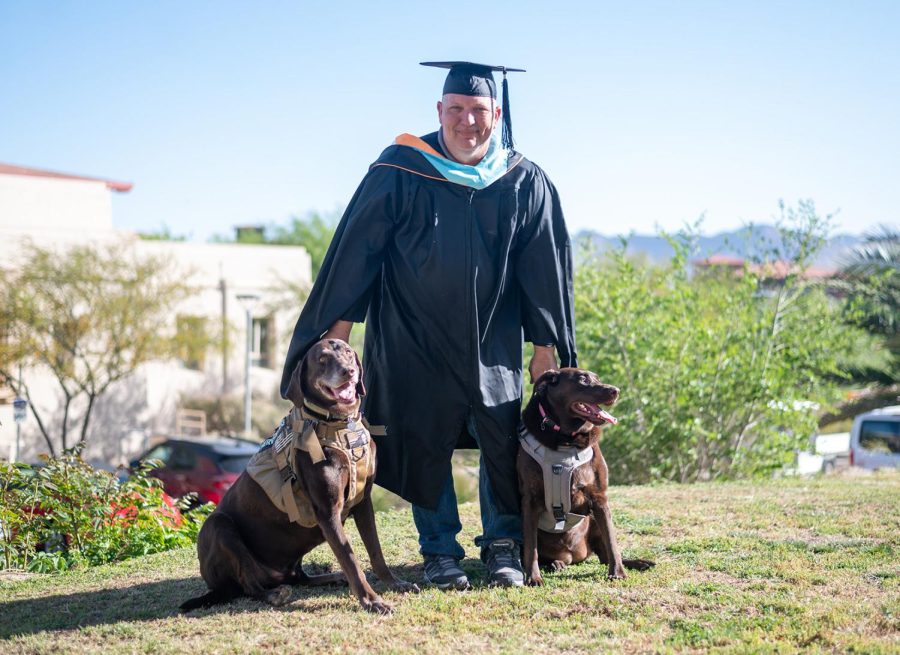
<point x="278" y="596"/>
<point x="616" y="573"/>
<point x="376" y="605"/>
<point x="404" y="587"/>
<point x="638" y="564"/>
<point x="557" y="565"/>
<point x="534" y="580"/>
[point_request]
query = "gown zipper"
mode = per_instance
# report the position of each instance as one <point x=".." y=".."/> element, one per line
<point x="470" y="292"/>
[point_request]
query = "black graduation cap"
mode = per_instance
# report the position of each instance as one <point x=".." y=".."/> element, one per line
<point x="470" y="79"/>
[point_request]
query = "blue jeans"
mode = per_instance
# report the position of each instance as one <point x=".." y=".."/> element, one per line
<point x="438" y="528"/>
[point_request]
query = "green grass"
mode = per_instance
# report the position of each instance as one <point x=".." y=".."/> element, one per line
<point x="781" y="567"/>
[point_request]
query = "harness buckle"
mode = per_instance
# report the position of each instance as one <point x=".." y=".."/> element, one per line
<point x="557" y="469"/>
<point x="558" y="513"/>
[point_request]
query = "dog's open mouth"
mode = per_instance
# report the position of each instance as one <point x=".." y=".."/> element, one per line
<point x="593" y="413"/>
<point x="345" y="393"/>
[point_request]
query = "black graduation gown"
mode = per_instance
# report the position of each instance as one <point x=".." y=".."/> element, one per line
<point x="449" y="280"/>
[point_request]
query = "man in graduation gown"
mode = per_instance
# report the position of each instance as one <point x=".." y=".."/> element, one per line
<point x="452" y="249"/>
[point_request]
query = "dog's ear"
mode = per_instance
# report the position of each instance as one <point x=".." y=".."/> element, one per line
<point x="547" y="379"/>
<point x="360" y="385"/>
<point x="295" y="388"/>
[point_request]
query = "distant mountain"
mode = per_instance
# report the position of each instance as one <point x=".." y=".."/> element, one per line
<point x="765" y="239"/>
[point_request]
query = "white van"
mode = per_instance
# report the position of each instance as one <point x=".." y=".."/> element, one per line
<point x="875" y="439"/>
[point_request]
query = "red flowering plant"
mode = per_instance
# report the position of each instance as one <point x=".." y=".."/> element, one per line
<point x="65" y="513"/>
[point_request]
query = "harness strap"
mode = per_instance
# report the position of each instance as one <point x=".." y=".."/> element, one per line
<point x="374" y="430"/>
<point x="283" y="457"/>
<point x="308" y="441"/>
<point x="290" y="503"/>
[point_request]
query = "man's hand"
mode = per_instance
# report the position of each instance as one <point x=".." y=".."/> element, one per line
<point x="544" y="360"/>
<point x="340" y="330"/>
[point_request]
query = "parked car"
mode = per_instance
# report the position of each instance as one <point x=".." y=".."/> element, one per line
<point x="207" y="466"/>
<point x="826" y="453"/>
<point x="834" y="449"/>
<point x="875" y="439"/>
<point x="805" y="463"/>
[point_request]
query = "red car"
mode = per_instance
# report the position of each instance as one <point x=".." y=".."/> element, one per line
<point x="205" y="465"/>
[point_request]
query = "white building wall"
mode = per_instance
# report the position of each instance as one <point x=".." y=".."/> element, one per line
<point x="69" y="210"/>
<point x="59" y="213"/>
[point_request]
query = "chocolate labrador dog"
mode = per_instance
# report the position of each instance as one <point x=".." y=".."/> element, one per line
<point x="563" y="476"/>
<point x="297" y="491"/>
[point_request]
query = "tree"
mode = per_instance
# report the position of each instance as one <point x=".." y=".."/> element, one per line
<point x="721" y="374"/>
<point x="871" y="276"/>
<point x="91" y="315"/>
<point x="313" y="232"/>
<point x="164" y="233"/>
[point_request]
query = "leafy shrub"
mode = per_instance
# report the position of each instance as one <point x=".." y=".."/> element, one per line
<point x="721" y="374"/>
<point x="66" y="513"/>
<point x="17" y="541"/>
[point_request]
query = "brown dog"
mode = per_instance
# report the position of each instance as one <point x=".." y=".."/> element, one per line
<point x="251" y="546"/>
<point x="564" y="419"/>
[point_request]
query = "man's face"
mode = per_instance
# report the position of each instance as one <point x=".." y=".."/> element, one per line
<point x="467" y="123"/>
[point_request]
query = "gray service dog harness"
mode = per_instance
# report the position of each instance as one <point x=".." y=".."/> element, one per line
<point x="557" y="467"/>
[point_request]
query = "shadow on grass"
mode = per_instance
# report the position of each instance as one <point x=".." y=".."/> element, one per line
<point x="155" y="600"/>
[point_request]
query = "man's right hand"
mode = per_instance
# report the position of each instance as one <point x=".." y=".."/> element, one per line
<point x="544" y="360"/>
<point x="340" y="330"/>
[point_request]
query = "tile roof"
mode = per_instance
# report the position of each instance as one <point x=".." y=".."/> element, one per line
<point x="11" y="169"/>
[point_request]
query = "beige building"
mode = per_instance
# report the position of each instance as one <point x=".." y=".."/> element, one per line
<point x="59" y="210"/>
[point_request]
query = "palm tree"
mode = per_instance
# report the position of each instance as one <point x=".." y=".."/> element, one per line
<point x="871" y="280"/>
<point x="873" y="271"/>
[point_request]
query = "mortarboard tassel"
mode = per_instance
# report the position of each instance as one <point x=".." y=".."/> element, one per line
<point x="507" y="118"/>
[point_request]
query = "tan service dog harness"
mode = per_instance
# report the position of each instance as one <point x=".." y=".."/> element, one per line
<point x="557" y="467"/>
<point x="312" y="429"/>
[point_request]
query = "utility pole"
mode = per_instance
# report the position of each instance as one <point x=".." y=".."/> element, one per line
<point x="223" y="289"/>
<point x="248" y="300"/>
<point x="20" y="410"/>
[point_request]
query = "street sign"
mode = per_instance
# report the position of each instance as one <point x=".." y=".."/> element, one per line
<point x="20" y="409"/>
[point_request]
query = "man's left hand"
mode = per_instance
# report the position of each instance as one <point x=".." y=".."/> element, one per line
<point x="544" y="360"/>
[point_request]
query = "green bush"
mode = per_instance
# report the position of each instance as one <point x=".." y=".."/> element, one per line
<point x="66" y="513"/>
<point x="721" y="374"/>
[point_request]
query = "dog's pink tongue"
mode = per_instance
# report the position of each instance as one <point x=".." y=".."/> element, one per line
<point x="346" y="392"/>
<point x="609" y="418"/>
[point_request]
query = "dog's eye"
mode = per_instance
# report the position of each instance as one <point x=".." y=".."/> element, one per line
<point x="322" y="359"/>
<point x="583" y="379"/>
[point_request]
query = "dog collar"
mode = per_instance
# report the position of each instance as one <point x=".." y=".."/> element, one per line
<point x="323" y="414"/>
<point x="548" y="423"/>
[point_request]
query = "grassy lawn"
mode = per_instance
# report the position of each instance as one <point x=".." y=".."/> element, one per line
<point x="787" y="566"/>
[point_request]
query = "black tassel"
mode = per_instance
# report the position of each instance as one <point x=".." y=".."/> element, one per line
<point x="507" y="118"/>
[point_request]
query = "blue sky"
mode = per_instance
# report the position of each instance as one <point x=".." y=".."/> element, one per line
<point x="643" y="114"/>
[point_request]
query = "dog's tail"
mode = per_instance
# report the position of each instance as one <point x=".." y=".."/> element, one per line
<point x="214" y="597"/>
